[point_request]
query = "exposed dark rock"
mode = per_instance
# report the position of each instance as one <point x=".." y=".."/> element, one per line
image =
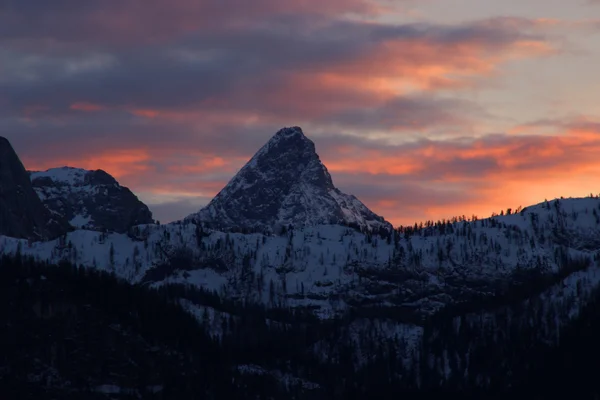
<point x="285" y="183"/>
<point x="22" y="214"/>
<point x="90" y="199"/>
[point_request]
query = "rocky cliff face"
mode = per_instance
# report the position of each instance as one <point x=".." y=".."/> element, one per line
<point x="90" y="199"/>
<point x="22" y="214"/>
<point x="285" y="183"/>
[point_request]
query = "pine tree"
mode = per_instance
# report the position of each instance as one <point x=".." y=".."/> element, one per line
<point x="111" y="256"/>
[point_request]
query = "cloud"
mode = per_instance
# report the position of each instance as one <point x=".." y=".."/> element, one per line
<point x="131" y="22"/>
<point x="85" y="106"/>
<point x="326" y="70"/>
<point x="494" y="156"/>
<point x="407" y="182"/>
<point x="172" y="97"/>
<point x="456" y="176"/>
<point x="408" y="113"/>
<point x="231" y="88"/>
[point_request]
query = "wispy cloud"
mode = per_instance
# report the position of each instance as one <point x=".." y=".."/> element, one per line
<point x="416" y="180"/>
<point x="174" y="96"/>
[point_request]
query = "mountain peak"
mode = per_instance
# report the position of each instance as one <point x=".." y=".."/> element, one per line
<point x="287" y="140"/>
<point x="290" y="132"/>
<point x="89" y="199"/>
<point x="22" y="214"/>
<point x="291" y="135"/>
<point x="284" y="183"/>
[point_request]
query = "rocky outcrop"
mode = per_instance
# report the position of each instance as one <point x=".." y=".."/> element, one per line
<point x="22" y="214"/>
<point x="90" y="199"/>
<point x="285" y="183"/>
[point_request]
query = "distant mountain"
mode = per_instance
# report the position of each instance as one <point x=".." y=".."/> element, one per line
<point x="479" y="304"/>
<point x="22" y="214"/>
<point x="285" y="183"/>
<point x="89" y="199"/>
<point x="455" y="304"/>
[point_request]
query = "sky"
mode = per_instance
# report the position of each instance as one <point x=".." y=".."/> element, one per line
<point x="423" y="109"/>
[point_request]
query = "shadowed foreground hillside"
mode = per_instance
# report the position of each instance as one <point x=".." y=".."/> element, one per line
<point x="75" y="333"/>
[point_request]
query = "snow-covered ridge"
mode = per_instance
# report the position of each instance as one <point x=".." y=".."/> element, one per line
<point x="285" y="183"/>
<point x="332" y="267"/>
<point x="89" y="199"/>
<point x="66" y="175"/>
<point x="329" y="268"/>
<point x="319" y="263"/>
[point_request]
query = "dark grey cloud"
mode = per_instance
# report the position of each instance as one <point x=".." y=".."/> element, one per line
<point x="130" y="22"/>
<point x="74" y="133"/>
<point x="412" y="112"/>
<point x="222" y="77"/>
<point x="249" y="66"/>
<point x="401" y="190"/>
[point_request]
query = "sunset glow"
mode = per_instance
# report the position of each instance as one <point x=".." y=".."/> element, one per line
<point x="420" y="115"/>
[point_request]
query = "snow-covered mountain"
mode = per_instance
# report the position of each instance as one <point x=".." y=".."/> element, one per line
<point x="89" y="199"/>
<point x="540" y="263"/>
<point x="321" y="263"/>
<point x="284" y="184"/>
<point x="21" y="212"/>
<point x="434" y="295"/>
<point x="549" y="254"/>
<point x="329" y="268"/>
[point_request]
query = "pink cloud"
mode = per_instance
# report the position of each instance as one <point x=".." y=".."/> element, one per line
<point x="425" y="180"/>
<point x="85" y="106"/>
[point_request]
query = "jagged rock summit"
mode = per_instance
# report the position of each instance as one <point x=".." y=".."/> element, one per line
<point x="22" y="214"/>
<point x="89" y="199"/>
<point x="285" y="183"/>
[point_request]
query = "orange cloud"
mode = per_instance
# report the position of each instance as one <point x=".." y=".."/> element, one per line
<point x="155" y="170"/>
<point x="375" y="163"/>
<point x="207" y="164"/>
<point x="85" y="106"/>
<point x="147" y="113"/>
<point x="376" y="71"/>
<point x="404" y="183"/>
<point x="119" y="163"/>
<point x="430" y="64"/>
<point x="488" y="174"/>
<point x="371" y="78"/>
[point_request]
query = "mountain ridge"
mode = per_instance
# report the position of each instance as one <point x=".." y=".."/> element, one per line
<point x="413" y="289"/>
<point x="285" y="183"/>
<point x="21" y="211"/>
<point x="89" y="199"/>
<point x="448" y="301"/>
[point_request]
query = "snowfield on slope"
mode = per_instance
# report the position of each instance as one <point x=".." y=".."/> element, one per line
<point x="323" y="266"/>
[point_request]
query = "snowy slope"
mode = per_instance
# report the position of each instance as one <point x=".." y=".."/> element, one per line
<point x="281" y="234"/>
<point x="285" y="183"/>
<point x="330" y="267"/>
<point x="66" y="175"/>
<point x="89" y="199"/>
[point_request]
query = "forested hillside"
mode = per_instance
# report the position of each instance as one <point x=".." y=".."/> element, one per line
<point x="70" y="332"/>
<point x="74" y="333"/>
